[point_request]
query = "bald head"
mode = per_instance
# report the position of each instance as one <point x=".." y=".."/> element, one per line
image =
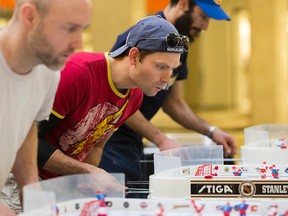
<point x="43" y="6"/>
<point x="49" y="31"/>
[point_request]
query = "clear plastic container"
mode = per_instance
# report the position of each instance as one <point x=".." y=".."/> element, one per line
<point x="184" y="156"/>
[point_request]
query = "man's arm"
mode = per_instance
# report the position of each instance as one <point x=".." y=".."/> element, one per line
<point x="177" y="108"/>
<point x="64" y="165"/>
<point x="25" y="166"/>
<point x="146" y="129"/>
<point x="5" y="211"/>
<point x="95" y="154"/>
<point x="52" y="159"/>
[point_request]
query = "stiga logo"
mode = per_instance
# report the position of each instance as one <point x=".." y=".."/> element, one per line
<point x="218" y="189"/>
<point x="215" y="188"/>
<point x="239" y="189"/>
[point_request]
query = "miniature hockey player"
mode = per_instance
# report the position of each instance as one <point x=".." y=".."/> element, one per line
<point x="282" y="143"/>
<point x="103" y="209"/>
<point x="214" y="172"/>
<point x="274" y="171"/>
<point x="272" y="210"/>
<point x="197" y="209"/>
<point x="236" y="172"/>
<point x="161" y="210"/>
<point x="242" y="207"/>
<point x="263" y="170"/>
<point x="226" y="209"/>
<point x="96" y="207"/>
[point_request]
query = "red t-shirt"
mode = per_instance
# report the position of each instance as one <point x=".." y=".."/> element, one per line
<point x="88" y="104"/>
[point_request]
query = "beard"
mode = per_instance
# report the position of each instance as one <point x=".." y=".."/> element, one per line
<point x="183" y="25"/>
<point x="42" y="49"/>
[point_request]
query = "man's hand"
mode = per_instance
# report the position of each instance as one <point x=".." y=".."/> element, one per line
<point x="5" y="211"/>
<point x="222" y="138"/>
<point x="101" y="181"/>
<point x="168" y="143"/>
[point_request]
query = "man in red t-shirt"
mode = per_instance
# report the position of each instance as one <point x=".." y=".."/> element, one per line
<point x="99" y="91"/>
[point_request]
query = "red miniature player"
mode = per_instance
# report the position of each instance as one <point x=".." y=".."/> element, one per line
<point x="161" y="210"/>
<point x="214" y="171"/>
<point x="263" y="170"/>
<point x="57" y="211"/>
<point x="196" y="208"/>
<point x="236" y="172"/>
<point x="102" y="210"/>
<point x="282" y="143"/>
<point x="96" y="207"/>
<point x="272" y="210"/>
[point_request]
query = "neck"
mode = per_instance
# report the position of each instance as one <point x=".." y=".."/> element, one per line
<point x="120" y="74"/>
<point x="14" y="50"/>
<point x="171" y="13"/>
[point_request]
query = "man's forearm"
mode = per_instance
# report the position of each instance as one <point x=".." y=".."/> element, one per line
<point x="4" y="210"/>
<point x="95" y="154"/>
<point x="45" y="148"/>
<point x="143" y="127"/>
<point x="25" y="166"/>
<point x="62" y="164"/>
<point x="178" y="109"/>
<point x="181" y="113"/>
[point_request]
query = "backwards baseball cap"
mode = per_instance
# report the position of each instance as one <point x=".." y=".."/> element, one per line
<point x="212" y="9"/>
<point x="154" y="33"/>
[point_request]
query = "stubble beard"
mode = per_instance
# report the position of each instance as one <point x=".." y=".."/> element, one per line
<point x="42" y="49"/>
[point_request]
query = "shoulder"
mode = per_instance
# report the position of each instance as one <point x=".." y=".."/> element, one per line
<point x="84" y="58"/>
<point x="83" y="63"/>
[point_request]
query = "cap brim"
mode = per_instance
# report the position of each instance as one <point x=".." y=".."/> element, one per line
<point x="213" y="11"/>
<point x="119" y="51"/>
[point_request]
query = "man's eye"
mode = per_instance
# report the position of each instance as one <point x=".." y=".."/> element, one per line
<point x="204" y="17"/>
<point x="173" y="74"/>
<point x="161" y="67"/>
<point x="71" y="29"/>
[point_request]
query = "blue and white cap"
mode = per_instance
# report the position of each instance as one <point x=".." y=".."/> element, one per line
<point x="150" y="34"/>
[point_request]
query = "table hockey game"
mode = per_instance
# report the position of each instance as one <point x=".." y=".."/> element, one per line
<point x="187" y="181"/>
<point x="210" y="193"/>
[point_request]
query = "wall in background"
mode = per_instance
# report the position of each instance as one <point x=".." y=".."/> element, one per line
<point x="242" y="64"/>
<point x="153" y="6"/>
<point x="225" y="75"/>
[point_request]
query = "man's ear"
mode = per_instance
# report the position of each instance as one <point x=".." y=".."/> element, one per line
<point x="183" y="4"/>
<point x="28" y="13"/>
<point x="134" y="55"/>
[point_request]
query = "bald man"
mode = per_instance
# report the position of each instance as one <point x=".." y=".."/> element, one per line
<point x="34" y="45"/>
